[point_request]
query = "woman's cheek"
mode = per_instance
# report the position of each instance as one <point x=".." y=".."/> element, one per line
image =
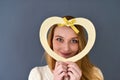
<point x="56" y="45"/>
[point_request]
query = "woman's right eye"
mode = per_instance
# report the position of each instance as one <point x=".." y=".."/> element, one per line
<point x="59" y="39"/>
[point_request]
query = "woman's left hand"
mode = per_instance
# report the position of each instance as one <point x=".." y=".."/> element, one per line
<point x="74" y="71"/>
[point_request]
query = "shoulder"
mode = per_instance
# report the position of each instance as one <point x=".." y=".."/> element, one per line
<point x="37" y="73"/>
<point x="98" y="73"/>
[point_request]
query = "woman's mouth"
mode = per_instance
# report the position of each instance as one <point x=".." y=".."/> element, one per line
<point x="65" y="55"/>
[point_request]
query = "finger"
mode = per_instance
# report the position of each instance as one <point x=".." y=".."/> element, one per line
<point x="74" y="71"/>
<point x="66" y="78"/>
<point x="74" y="76"/>
<point x="60" y="76"/>
<point x="74" y="67"/>
<point x="60" y="63"/>
<point x="63" y="74"/>
<point x="59" y="68"/>
<point x="57" y="63"/>
<point x="72" y="64"/>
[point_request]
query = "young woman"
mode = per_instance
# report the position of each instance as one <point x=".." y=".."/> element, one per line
<point x="65" y="42"/>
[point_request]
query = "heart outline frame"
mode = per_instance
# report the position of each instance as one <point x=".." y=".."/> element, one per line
<point x="87" y="24"/>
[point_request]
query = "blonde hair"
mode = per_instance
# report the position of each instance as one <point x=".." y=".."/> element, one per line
<point x="87" y="68"/>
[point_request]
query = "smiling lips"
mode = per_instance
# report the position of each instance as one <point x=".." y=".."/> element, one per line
<point x="65" y="55"/>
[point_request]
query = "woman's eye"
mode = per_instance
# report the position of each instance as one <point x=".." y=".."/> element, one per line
<point x="74" y="41"/>
<point x="59" y="39"/>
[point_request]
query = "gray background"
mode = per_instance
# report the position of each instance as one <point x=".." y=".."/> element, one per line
<point x="20" y="20"/>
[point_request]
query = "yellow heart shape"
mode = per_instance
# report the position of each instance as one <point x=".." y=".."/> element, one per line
<point x="87" y="24"/>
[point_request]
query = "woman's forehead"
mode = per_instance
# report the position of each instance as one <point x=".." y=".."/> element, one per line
<point x="64" y="31"/>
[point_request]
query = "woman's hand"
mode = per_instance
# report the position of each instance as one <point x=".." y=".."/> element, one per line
<point x="60" y="71"/>
<point x="74" y="71"/>
<point x="67" y="71"/>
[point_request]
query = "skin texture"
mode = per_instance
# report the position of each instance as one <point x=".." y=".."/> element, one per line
<point x="65" y="43"/>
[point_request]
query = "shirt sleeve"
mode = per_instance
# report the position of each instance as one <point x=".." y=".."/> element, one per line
<point x="34" y="74"/>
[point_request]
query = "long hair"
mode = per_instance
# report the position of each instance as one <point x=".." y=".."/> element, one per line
<point x="88" y="72"/>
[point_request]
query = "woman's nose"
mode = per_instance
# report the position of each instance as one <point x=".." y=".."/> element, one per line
<point x="66" y="47"/>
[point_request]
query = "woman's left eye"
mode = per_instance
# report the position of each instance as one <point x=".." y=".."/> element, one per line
<point x="74" y="41"/>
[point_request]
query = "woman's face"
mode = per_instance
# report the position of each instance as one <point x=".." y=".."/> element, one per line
<point x="65" y="42"/>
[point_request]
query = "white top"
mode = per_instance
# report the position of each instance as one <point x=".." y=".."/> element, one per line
<point x="44" y="73"/>
<point x="41" y="73"/>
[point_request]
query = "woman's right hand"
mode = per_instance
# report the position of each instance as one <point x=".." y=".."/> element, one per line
<point x="60" y="71"/>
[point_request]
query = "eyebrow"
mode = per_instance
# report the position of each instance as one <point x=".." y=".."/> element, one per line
<point x="59" y="36"/>
<point x="63" y="37"/>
